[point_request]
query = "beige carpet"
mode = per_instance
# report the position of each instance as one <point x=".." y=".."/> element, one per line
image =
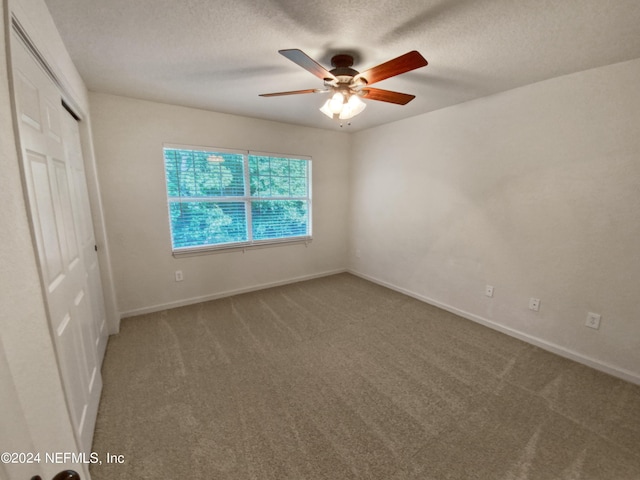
<point x="338" y="378"/>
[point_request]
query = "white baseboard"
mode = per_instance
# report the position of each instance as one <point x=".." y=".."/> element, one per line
<point x="613" y="370"/>
<point x="227" y="293"/>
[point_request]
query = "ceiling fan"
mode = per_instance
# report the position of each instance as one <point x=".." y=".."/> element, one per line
<point x="347" y="86"/>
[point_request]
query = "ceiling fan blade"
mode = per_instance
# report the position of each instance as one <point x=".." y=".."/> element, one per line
<point x="402" y="64"/>
<point x="305" y="61"/>
<point x="293" y="92"/>
<point x="387" y="96"/>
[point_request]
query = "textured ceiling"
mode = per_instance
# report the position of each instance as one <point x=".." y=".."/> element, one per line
<point x="219" y="55"/>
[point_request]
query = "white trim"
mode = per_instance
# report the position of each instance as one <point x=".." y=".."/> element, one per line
<point x="605" y="367"/>
<point x="239" y="246"/>
<point x="228" y="293"/>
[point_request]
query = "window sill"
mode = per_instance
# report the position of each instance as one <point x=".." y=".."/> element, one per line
<point x="207" y="250"/>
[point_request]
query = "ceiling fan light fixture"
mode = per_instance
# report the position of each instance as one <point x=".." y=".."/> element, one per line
<point x="353" y="107"/>
<point x="347" y="110"/>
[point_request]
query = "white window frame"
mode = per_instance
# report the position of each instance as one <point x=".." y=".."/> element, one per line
<point x="247" y="199"/>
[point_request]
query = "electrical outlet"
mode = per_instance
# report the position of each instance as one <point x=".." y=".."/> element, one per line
<point x="534" y="304"/>
<point x="593" y="320"/>
<point x="488" y="290"/>
<point x="179" y="276"/>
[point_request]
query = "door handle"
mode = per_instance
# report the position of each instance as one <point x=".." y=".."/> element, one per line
<point x="64" y="475"/>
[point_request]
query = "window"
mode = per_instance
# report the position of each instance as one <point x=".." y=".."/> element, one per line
<point x="228" y="198"/>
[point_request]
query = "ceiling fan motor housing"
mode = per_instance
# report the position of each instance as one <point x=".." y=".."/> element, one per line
<point x="343" y="64"/>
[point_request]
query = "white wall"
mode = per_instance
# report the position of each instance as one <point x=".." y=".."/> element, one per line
<point x="534" y="191"/>
<point x="128" y="138"/>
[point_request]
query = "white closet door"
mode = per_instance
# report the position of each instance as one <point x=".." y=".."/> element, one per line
<point x="54" y="177"/>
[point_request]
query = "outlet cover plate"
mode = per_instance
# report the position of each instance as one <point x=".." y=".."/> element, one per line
<point x="534" y="304"/>
<point x="593" y="320"/>
<point x="488" y="290"/>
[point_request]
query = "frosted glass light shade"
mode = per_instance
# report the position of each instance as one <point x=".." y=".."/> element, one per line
<point x="336" y="103"/>
<point x="352" y="108"/>
<point x="326" y="110"/>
